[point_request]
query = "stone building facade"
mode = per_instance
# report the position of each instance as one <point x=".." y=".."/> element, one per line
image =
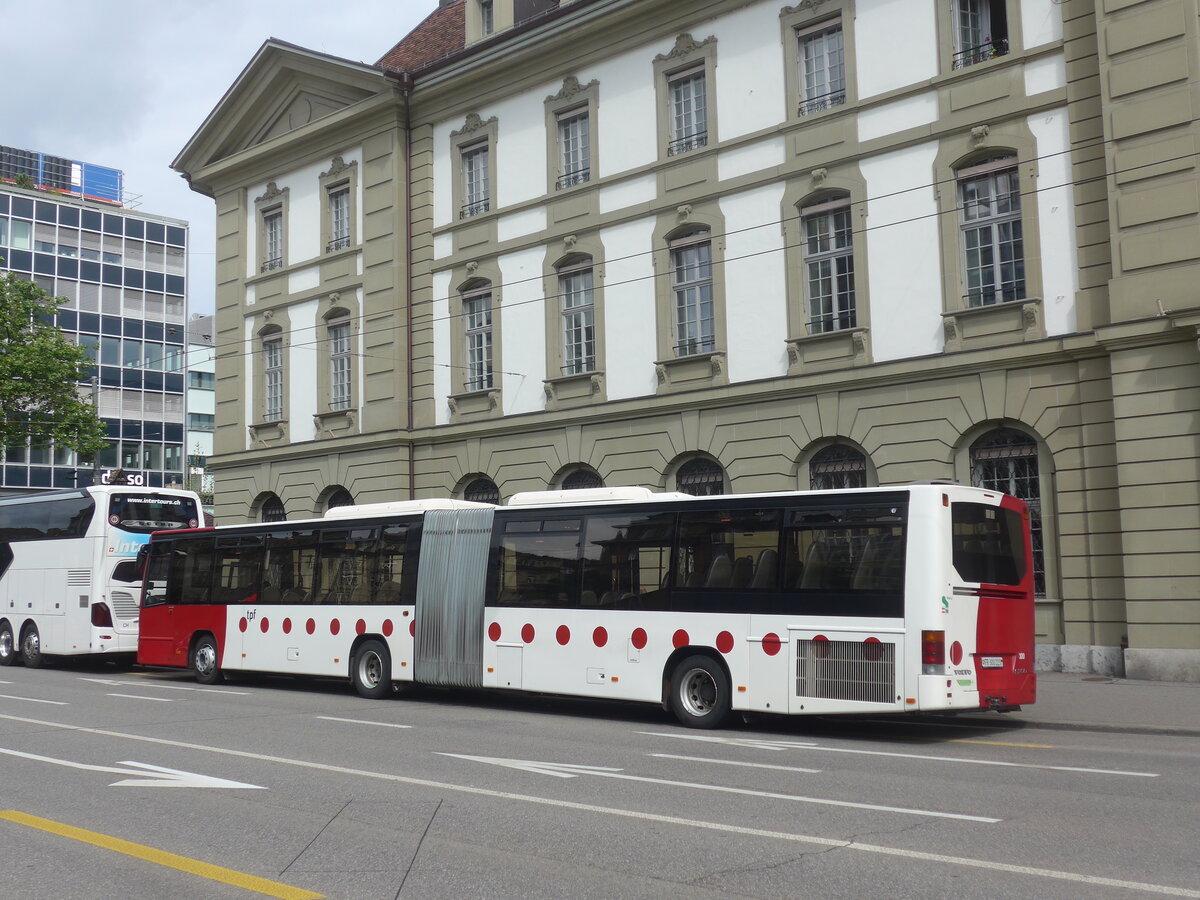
<point x="734" y="245"/>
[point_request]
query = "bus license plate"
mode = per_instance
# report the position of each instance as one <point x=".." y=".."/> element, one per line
<point x="991" y="662"/>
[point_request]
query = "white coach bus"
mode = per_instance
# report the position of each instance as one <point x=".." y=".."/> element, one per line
<point x="69" y="580"/>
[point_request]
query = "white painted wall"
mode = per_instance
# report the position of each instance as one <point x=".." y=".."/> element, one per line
<point x="1056" y="220"/>
<point x="445" y="170"/>
<point x="629" y="323"/>
<point x="895" y="44"/>
<point x="904" y="260"/>
<point x="1046" y="74"/>
<point x="627" y="135"/>
<point x="751" y="89"/>
<point x="302" y="371"/>
<point x="521" y="147"/>
<point x="523" y="333"/>
<point x="901" y="115"/>
<point x="630" y="192"/>
<point x="1041" y="22"/>
<point x="755" y="284"/>
<point x="528" y="221"/>
<point x="306" y="279"/>
<point x="442" y="374"/>
<point x="750" y="158"/>
<point x="443" y="245"/>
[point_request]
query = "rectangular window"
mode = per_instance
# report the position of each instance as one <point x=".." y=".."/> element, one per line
<point x="339" y="364"/>
<point x="822" y="68"/>
<point x="273" y="240"/>
<point x="992" y="235"/>
<point x="539" y="564"/>
<point x="339" y="219"/>
<point x="476" y="196"/>
<point x="573" y="143"/>
<point x="201" y="422"/>
<point x="477" y="317"/>
<point x="627" y="561"/>
<point x="204" y="381"/>
<point x="487" y="17"/>
<point x="689" y="113"/>
<point x="728" y="550"/>
<point x="829" y="256"/>
<point x="273" y="380"/>
<point x="579" y="331"/>
<point x="692" y="283"/>
<point x="980" y="31"/>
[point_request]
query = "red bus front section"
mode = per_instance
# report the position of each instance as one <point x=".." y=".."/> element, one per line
<point x="166" y="632"/>
<point x="1004" y="640"/>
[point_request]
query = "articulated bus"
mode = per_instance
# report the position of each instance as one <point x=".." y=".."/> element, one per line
<point x="69" y="579"/>
<point x="906" y="599"/>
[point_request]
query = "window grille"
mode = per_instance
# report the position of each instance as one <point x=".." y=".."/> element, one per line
<point x="273" y="511"/>
<point x="700" y="478"/>
<point x="1006" y="460"/>
<point x="837" y="467"/>
<point x="482" y="490"/>
<point x="582" y="479"/>
<point x="340" y="497"/>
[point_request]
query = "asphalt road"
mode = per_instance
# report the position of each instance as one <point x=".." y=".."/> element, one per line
<point x="143" y="784"/>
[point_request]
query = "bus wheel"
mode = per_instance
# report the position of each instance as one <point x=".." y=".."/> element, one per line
<point x="204" y="660"/>
<point x="372" y="671"/>
<point x="31" y="648"/>
<point x="8" y="645"/>
<point x="700" y="692"/>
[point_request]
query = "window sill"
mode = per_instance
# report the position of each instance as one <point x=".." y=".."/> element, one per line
<point x="686" y="373"/>
<point x="828" y="350"/>
<point x="574" y="390"/>
<point x="268" y="434"/>
<point x="1009" y="322"/>
<point x="335" y="423"/>
<point x="474" y="404"/>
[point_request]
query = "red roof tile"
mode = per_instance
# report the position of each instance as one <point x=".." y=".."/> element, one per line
<point x="443" y="32"/>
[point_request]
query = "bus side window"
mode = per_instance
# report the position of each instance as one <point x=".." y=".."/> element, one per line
<point x="192" y="571"/>
<point x="158" y="565"/>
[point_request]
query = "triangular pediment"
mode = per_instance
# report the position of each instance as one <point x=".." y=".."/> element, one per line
<point x="282" y="90"/>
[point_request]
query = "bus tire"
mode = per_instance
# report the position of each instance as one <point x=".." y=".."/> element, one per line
<point x="8" y="645"/>
<point x="371" y="671"/>
<point x="31" y="647"/>
<point x="206" y="660"/>
<point x="700" y="693"/>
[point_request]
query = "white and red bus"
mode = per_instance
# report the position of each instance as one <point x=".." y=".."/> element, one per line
<point x="69" y="578"/>
<point x="904" y="599"/>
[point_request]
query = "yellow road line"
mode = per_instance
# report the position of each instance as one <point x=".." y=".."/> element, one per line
<point x="163" y="858"/>
<point x="1001" y="744"/>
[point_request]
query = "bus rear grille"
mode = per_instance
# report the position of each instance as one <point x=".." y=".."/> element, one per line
<point x="846" y="670"/>
<point x="79" y="578"/>
<point x="124" y="605"/>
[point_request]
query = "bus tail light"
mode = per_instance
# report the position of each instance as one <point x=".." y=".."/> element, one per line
<point x="933" y="652"/>
<point x="101" y="615"/>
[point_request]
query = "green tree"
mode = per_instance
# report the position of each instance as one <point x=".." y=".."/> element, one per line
<point x="40" y="371"/>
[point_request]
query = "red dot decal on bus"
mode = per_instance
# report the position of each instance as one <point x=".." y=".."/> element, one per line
<point x="264" y="624"/>
<point x="287" y="626"/>
<point x="563" y="635"/>
<point x="600" y="636"/>
<point x="242" y="624"/>
<point x="335" y="626"/>
<point x="771" y="644"/>
<point x="680" y="638"/>
<point x="494" y="631"/>
<point x="820" y="646"/>
<point x="527" y="633"/>
<point x="872" y="650"/>
<point x="725" y="642"/>
<point x="387" y="627"/>
<point x="360" y="627"/>
<point x="412" y="627"/>
<point x="955" y="653"/>
<point x="310" y="626"/>
<point x="638" y="638"/>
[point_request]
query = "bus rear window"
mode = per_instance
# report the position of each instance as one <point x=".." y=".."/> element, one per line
<point x="989" y="543"/>
<point x="144" y="513"/>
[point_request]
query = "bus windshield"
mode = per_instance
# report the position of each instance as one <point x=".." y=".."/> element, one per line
<point x="144" y="513"/>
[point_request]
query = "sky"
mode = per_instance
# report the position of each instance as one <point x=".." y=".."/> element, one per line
<point x="126" y="83"/>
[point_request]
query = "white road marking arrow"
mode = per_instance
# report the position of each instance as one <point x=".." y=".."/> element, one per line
<point x="570" y="770"/>
<point x="147" y="775"/>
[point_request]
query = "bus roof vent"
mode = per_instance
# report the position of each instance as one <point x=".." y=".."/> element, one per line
<point x="591" y="495"/>
<point x="399" y="507"/>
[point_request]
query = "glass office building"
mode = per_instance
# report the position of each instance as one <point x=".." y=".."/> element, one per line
<point x="123" y="274"/>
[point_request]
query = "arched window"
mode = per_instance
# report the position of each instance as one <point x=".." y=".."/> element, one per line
<point x="272" y="510"/>
<point x="692" y="287"/>
<point x="993" y="243"/>
<point x="581" y="479"/>
<point x="340" y="497"/>
<point x="1006" y="460"/>
<point x="829" y="264"/>
<point x="701" y="478"/>
<point x="272" y="373"/>
<point x="477" y="332"/>
<point x="835" y="467"/>
<point x="482" y="490"/>
<point x="576" y="298"/>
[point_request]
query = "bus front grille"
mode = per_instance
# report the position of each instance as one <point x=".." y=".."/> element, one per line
<point x="124" y="605"/>
<point x="846" y="670"/>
